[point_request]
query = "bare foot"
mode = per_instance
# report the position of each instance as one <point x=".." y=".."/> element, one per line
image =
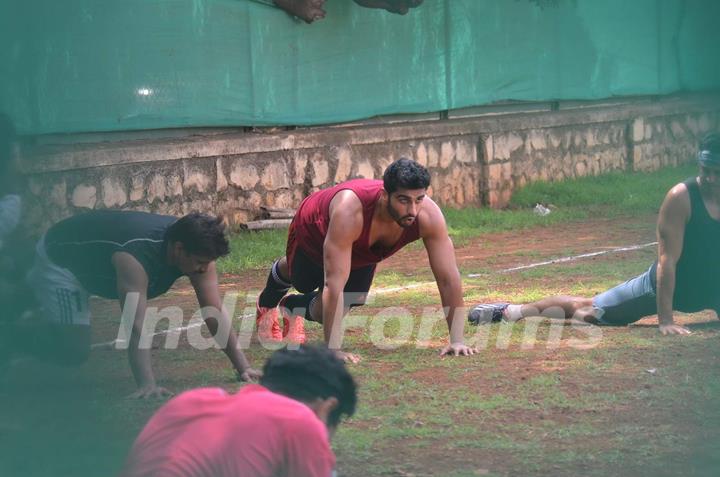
<point x="401" y="7"/>
<point x="307" y="10"/>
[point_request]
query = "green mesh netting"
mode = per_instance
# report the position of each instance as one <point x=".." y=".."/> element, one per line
<point x="99" y="65"/>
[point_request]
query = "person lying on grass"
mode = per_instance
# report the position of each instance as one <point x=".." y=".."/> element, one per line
<point x="685" y="277"/>
<point x="281" y="427"/>
<point x="128" y="256"/>
<point x="335" y="241"/>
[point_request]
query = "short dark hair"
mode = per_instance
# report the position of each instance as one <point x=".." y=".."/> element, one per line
<point x="405" y="174"/>
<point x="710" y="142"/>
<point x="201" y="235"/>
<point x="311" y="372"/>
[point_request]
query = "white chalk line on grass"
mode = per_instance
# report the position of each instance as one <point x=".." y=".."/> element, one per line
<point x="569" y="259"/>
<point x="110" y="344"/>
<point x="382" y="291"/>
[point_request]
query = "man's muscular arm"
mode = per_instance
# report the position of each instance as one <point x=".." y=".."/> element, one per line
<point x="673" y="217"/>
<point x="216" y="318"/>
<point x="346" y="222"/>
<point x="441" y="253"/>
<point x="132" y="278"/>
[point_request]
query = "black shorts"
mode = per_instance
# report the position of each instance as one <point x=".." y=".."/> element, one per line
<point x="307" y="276"/>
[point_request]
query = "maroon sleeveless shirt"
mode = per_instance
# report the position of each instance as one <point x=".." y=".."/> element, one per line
<point x="310" y="225"/>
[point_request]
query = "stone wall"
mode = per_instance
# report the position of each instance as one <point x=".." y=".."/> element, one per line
<point x="518" y="157"/>
<point x="668" y="140"/>
<point x="473" y="161"/>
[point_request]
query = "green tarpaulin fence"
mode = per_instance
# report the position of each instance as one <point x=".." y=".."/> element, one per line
<point x="106" y="65"/>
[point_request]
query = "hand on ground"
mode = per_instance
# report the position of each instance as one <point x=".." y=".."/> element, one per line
<point x="458" y="349"/>
<point x="348" y="357"/>
<point x="674" y="330"/>
<point x="151" y="392"/>
<point x="249" y="375"/>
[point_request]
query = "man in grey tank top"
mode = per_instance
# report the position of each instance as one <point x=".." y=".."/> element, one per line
<point x="132" y="257"/>
<point x="685" y="277"/>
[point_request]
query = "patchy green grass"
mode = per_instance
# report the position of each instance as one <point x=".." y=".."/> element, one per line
<point x="627" y="193"/>
<point x="253" y="250"/>
<point x="532" y="408"/>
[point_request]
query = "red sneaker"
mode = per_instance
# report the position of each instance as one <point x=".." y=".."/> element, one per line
<point x="293" y="325"/>
<point x="268" y="326"/>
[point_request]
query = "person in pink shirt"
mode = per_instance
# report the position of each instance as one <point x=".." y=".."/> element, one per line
<point x="209" y="433"/>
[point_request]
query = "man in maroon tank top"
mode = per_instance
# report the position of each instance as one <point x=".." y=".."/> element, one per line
<point x="336" y="239"/>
